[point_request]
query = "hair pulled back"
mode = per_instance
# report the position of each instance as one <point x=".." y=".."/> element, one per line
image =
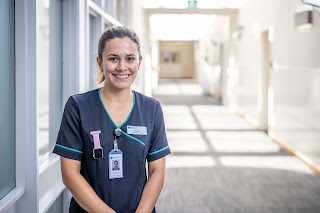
<point x="111" y="33"/>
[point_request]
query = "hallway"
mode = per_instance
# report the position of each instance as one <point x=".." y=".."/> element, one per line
<point x="220" y="163"/>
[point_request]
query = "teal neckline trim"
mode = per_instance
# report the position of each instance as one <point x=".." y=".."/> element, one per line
<point x="135" y="139"/>
<point x="152" y="153"/>
<point x="105" y="109"/>
<point x="67" y="148"/>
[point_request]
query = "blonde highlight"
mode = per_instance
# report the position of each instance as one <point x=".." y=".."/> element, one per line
<point x="100" y="76"/>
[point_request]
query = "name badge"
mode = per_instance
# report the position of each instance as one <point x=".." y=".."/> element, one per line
<point x="137" y="130"/>
<point x="115" y="164"/>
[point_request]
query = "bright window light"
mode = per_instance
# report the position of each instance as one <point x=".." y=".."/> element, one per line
<point x="315" y="3"/>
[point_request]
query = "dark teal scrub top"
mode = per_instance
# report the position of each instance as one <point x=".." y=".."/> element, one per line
<point x="84" y="113"/>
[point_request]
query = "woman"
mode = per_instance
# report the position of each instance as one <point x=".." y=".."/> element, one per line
<point x="113" y="123"/>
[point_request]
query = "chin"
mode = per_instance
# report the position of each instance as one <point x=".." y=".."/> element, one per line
<point x="122" y="86"/>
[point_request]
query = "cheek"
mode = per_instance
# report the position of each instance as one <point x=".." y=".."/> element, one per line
<point x="134" y="67"/>
<point x="108" y="67"/>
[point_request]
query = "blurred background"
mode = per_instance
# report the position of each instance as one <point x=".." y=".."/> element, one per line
<point x="238" y="80"/>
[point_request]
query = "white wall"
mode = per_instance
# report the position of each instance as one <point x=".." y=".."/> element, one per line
<point x="295" y="55"/>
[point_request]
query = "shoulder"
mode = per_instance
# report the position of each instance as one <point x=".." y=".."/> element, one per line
<point x="146" y="101"/>
<point x="81" y="101"/>
<point x="84" y="98"/>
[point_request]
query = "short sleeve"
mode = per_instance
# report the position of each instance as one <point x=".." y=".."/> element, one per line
<point x="159" y="144"/>
<point x="69" y="142"/>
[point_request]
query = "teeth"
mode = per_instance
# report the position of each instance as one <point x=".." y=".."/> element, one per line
<point x="122" y="76"/>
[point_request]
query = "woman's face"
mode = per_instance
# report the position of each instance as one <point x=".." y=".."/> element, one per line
<point x="115" y="165"/>
<point x="120" y="63"/>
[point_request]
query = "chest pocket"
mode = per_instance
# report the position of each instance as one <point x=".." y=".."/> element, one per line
<point x="133" y="154"/>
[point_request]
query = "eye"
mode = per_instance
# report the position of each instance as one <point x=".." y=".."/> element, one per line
<point x="131" y="59"/>
<point x="113" y="59"/>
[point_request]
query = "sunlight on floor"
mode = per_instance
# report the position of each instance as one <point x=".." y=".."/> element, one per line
<point x="187" y="141"/>
<point x="211" y="136"/>
<point x="241" y="142"/>
<point x="271" y="162"/>
<point x="189" y="161"/>
<point x="167" y="89"/>
<point x="178" y="89"/>
<point x="218" y="117"/>
<point x="179" y="117"/>
<point x="190" y="89"/>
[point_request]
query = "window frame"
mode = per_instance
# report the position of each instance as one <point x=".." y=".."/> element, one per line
<point x="25" y="117"/>
<point x="32" y="192"/>
<point x="7" y="198"/>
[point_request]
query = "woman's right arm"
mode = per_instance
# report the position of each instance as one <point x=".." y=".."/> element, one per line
<point x="82" y="192"/>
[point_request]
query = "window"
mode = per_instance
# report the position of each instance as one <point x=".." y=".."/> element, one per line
<point x="50" y="74"/>
<point x="94" y="34"/>
<point x="7" y="97"/>
<point x="97" y="2"/>
<point x="110" y="6"/>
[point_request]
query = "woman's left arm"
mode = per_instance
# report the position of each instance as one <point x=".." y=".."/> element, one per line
<point x="153" y="187"/>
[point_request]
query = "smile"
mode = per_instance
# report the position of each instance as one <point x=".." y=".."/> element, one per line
<point x="122" y="76"/>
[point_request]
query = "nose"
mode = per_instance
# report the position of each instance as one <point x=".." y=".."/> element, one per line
<point x="122" y="66"/>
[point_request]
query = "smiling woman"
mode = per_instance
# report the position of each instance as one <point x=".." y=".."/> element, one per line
<point x="99" y="164"/>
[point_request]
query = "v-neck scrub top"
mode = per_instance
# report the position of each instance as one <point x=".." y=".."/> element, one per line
<point x="85" y="113"/>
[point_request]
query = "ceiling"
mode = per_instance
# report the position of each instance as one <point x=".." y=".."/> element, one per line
<point x="201" y="4"/>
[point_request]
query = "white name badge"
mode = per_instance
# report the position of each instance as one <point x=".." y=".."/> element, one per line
<point x="137" y="130"/>
<point x="115" y="164"/>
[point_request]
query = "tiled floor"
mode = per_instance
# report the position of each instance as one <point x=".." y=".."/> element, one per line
<point x="220" y="163"/>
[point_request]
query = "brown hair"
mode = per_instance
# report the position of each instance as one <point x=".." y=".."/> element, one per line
<point x="111" y="33"/>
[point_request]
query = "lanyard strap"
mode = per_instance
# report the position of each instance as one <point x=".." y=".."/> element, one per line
<point x="116" y="133"/>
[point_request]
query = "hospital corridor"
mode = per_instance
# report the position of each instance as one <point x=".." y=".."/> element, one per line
<point x="238" y="82"/>
<point x="222" y="163"/>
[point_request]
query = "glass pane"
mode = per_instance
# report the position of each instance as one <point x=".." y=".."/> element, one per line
<point x="97" y="2"/>
<point x="50" y="74"/>
<point x="7" y="91"/>
<point x="94" y="35"/>
<point x="110" y="6"/>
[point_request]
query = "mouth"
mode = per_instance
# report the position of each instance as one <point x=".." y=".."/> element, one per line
<point x="121" y="76"/>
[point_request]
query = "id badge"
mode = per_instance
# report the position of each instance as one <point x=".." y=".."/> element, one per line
<point x="115" y="164"/>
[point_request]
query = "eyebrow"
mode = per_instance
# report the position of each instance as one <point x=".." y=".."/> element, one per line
<point x="118" y="55"/>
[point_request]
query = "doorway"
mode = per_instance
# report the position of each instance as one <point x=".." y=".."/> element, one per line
<point x="176" y="59"/>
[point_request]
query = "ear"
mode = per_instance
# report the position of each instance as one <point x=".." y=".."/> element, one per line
<point x="99" y="62"/>
<point x="140" y="60"/>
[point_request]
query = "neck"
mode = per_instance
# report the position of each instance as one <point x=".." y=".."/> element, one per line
<point x="116" y="97"/>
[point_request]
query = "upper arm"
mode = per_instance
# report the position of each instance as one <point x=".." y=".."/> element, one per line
<point x="157" y="165"/>
<point x="69" y="167"/>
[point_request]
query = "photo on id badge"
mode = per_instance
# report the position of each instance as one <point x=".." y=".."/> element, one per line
<point x="115" y="166"/>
